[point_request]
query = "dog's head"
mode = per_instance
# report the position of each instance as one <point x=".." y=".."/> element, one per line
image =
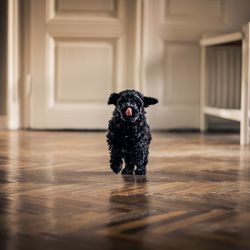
<point x="130" y="104"/>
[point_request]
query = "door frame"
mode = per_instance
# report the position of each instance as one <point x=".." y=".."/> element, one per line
<point x="13" y="65"/>
<point x="18" y="64"/>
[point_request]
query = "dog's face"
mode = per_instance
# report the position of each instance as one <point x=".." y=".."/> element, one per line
<point x="129" y="107"/>
<point x="130" y="104"/>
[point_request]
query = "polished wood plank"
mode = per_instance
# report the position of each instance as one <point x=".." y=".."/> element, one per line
<point x="57" y="192"/>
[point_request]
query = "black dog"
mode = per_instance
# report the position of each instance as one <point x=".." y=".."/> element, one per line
<point x="128" y="134"/>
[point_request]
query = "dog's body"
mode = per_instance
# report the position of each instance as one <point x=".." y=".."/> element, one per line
<point x="128" y="134"/>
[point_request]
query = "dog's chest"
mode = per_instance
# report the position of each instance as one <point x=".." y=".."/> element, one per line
<point x="128" y="139"/>
<point x="130" y="136"/>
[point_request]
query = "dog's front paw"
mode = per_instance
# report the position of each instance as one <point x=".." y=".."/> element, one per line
<point x="116" y="169"/>
<point x="140" y="171"/>
<point x="127" y="171"/>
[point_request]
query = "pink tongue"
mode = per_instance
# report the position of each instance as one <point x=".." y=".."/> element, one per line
<point x="128" y="112"/>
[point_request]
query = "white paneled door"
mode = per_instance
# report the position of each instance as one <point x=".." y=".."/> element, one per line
<point x="82" y="50"/>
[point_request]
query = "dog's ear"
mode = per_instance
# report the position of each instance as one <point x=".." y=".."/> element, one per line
<point x="113" y="98"/>
<point x="149" y="101"/>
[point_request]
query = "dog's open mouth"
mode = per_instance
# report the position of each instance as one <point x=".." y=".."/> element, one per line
<point x="129" y="112"/>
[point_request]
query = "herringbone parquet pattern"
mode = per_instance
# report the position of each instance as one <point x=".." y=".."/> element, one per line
<point x="57" y="192"/>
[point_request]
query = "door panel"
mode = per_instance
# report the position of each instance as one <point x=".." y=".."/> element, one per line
<point x="89" y="57"/>
<point x="79" y="56"/>
<point x="85" y="5"/>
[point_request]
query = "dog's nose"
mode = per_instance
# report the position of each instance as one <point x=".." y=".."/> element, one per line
<point x="129" y="112"/>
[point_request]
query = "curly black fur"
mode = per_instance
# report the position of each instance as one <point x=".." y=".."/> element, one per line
<point x="129" y="136"/>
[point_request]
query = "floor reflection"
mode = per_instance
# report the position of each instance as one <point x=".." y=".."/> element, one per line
<point x="4" y="204"/>
<point x="17" y="210"/>
<point x="129" y="204"/>
<point x="133" y="194"/>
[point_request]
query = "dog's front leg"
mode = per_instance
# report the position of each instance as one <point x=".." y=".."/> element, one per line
<point x="141" y="160"/>
<point x="116" y="159"/>
<point x="129" y="164"/>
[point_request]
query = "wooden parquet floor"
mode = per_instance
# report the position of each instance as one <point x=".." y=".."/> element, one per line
<point x="57" y="192"/>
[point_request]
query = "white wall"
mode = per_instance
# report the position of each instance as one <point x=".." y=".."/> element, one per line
<point x="171" y="53"/>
